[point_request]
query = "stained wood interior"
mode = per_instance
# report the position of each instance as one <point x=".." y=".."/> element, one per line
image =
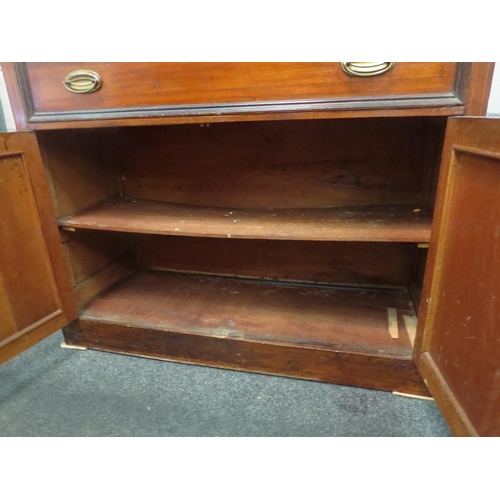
<point x="313" y="202"/>
<point x="277" y="165"/>
<point x="403" y="223"/>
<point x="96" y="261"/>
<point x="82" y="168"/>
<point x="419" y="265"/>
<point x="335" y="263"/>
<point x="435" y="131"/>
<point x="255" y="165"/>
<point x="354" y="320"/>
<point x="89" y="253"/>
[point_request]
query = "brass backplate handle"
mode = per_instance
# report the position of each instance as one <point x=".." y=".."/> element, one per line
<point x="366" y="68"/>
<point x="82" y="81"/>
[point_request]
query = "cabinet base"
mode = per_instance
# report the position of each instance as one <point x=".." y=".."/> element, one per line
<point x="332" y="366"/>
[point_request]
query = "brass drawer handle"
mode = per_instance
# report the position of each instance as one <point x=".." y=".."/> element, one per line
<point x="366" y="68"/>
<point x="82" y="81"/>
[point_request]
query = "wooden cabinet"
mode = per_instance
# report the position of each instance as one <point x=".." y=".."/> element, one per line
<point x="277" y="217"/>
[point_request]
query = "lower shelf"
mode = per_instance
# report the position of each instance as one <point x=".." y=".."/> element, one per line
<point x="348" y="336"/>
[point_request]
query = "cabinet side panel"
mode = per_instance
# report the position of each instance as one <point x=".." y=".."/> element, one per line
<point x="479" y="89"/>
<point x="96" y="261"/>
<point x="81" y="166"/>
<point x="90" y="252"/>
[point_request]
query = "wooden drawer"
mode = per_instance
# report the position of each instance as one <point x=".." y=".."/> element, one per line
<point x="138" y="90"/>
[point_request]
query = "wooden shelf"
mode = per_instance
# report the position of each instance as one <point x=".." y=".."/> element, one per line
<point x="334" y="334"/>
<point x="398" y="223"/>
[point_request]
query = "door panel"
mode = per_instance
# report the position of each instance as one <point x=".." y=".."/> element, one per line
<point x="460" y="355"/>
<point x="34" y="298"/>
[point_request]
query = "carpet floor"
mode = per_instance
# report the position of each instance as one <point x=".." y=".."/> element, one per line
<point x="49" y="391"/>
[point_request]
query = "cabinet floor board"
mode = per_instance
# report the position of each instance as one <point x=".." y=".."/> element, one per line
<point x="349" y="319"/>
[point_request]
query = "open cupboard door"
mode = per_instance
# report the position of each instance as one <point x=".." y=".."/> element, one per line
<point x="35" y="298"/>
<point x="459" y="331"/>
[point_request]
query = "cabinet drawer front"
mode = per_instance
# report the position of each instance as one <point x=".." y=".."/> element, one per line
<point x="162" y="89"/>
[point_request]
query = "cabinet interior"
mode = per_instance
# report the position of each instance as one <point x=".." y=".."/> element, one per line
<point x="300" y="231"/>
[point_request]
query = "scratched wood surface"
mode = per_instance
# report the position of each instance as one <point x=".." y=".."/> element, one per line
<point x="461" y="345"/>
<point x="403" y="223"/>
<point x="351" y="319"/>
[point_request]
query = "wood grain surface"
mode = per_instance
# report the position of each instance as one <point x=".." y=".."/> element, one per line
<point x="338" y="367"/>
<point x="34" y="283"/>
<point x="275" y="165"/>
<point x="345" y="263"/>
<point x="400" y="223"/>
<point x="350" y="319"/>
<point x="129" y="85"/>
<point x="460" y="350"/>
<point x="160" y="93"/>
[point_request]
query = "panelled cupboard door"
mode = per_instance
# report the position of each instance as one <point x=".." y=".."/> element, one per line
<point x="460" y="347"/>
<point x="35" y="298"/>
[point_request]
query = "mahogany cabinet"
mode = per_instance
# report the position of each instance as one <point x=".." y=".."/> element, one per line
<point x="330" y="221"/>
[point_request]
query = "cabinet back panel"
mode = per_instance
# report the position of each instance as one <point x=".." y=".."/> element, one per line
<point x="345" y="263"/>
<point x="297" y="164"/>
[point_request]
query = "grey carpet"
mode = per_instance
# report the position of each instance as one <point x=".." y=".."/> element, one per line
<point x="49" y="391"/>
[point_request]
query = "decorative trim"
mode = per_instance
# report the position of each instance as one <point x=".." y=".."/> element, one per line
<point x="424" y="101"/>
<point x="25" y="88"/>
<point x="462" y="80"/>
<point x="476" y="152"/>
<point x="31" y="327"/>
